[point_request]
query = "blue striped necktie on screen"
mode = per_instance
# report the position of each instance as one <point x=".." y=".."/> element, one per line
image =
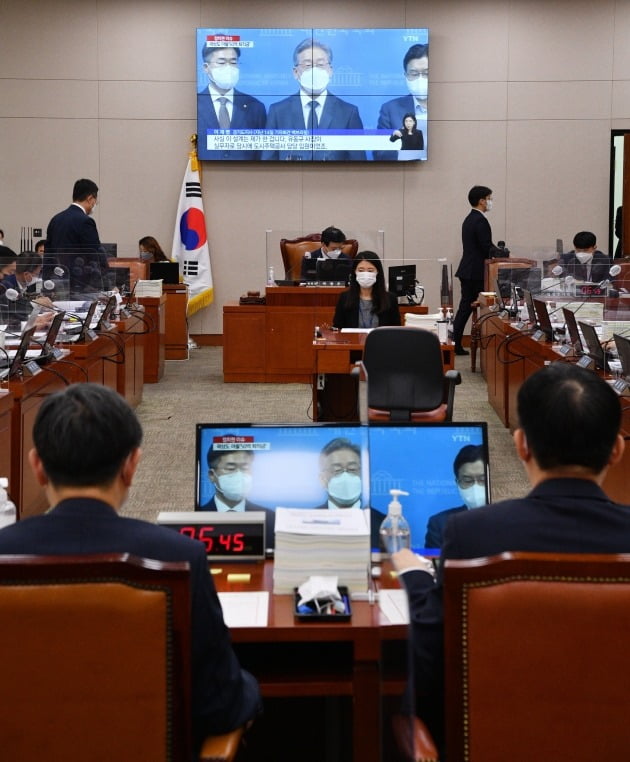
<point x="313" y="121"/>
<point x="224" y="117"/>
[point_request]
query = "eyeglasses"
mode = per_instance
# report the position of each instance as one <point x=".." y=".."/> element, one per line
<point x="354" y="469"/>
<point x="306" y="65"/>
<point x="414" y="74"/>
<point x="468" y="481"/>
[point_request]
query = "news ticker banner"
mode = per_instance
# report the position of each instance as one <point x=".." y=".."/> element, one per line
<point x="300" y="140"/>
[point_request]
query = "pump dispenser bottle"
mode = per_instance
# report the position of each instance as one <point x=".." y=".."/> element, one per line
<point x="394" y="531"/>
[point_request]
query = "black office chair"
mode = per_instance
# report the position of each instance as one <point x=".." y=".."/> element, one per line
<point x="405" y="376"/>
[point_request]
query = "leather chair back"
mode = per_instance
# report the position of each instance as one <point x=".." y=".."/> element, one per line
<point x="294" y="249"/>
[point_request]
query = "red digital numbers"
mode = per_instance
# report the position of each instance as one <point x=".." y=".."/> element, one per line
<point x="205" y="535"/>
<point x="234" y="543"/>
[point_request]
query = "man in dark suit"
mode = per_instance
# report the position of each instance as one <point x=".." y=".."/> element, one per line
<point x="314" y="107"/>
<point x="586" y="262"/>
<point x="476" y="243"/>
<point x="86" y="451"/>
<point x="469" y="467"/>
<point x="73" y="238"/>
<point x="392" y="113"/>
<point x="230" y="471"/>
<point x="340" y="475"/>
<point x="568" y="436"/>
<point x="332" y="240"/>
<point x="221" y="106"/>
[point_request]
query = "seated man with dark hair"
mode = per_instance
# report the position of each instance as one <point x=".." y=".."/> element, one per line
<point x="470" y="476"/>
<point x="567" y="439"/>
<point x="86" y="451"/>
<point x="586" y="262"/>
<point x="332" y="240"/>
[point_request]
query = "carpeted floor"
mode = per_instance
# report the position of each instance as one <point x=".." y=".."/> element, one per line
<point x="193" y="392"/>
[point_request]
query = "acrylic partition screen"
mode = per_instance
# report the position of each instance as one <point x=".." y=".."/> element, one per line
<point x="312" y="94"/>
<point x="287" y="469"/>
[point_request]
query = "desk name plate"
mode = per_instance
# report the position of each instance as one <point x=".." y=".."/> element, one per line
<point x="235" y="535"/>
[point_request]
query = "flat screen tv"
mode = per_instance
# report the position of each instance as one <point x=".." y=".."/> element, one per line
<point x="312" y="94"/>
<point x="283" y="467"/>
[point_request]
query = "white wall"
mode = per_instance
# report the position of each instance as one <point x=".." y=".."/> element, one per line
<point x="523" y="95"/>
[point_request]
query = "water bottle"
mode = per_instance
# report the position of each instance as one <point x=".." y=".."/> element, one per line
<point x="7" y="507"/>
<point x="394" y="531"/>
<point x="271" y="281"/>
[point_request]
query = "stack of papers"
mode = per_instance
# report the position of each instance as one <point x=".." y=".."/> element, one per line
<point x="148" y="288"/>
<point x="320" y="542"/>
<point x="428" y="322"/>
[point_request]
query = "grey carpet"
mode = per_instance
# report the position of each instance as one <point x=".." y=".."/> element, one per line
<point x="193" y="392"/>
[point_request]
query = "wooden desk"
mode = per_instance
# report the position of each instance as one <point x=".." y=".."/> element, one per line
<point x="272" y="342"/>
<point x="176" y="325"/>
<point x="155" y="338"/>
<point x="335" y="356"/>
<point x="300" y="659"/>
<point x="130" y="374"/>
<point x="510" y="358"/>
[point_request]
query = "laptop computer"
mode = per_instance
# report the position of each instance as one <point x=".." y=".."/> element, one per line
<point x="167" y="272"/>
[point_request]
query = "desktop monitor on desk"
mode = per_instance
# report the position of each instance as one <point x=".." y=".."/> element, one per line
<point x="285" y="467"/>
<point x="542" y="318"/>
<point x="402" y="280"/>
<point x="333" y="270"/>
<point x="572" y="328"/>
<point x="594" y="349"/>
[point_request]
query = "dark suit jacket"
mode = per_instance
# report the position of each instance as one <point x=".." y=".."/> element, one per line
<point x="287" y="114"/>
<point x="476" y="243"/>
<point x="270" y="518"/>
<point x="600" y="266"/>
<point x="376" y="519"/>
<point x="248" y="113"/>
<point x="390" y="118"/>
<point x="436" y="524"/>
<point x="348" y="317"/>
<point x="559" y="515"/>
<point x="309" y="264"/>
<point x="223" y="695"/>
<point x="410" y="142"/>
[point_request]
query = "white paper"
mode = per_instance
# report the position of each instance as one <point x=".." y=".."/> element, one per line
<point x="349" y="521"/>
<point x="393" y="603"/>
<point x="245" y="609"/>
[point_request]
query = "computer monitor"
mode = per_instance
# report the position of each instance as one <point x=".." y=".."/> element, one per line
<point x="20" y="355"/>
<point x="167" y="272"/>
<point x="106" y="315"/>
<point x="623" y="348"/>
<point x="333" y="270"/>
<point x="594" y="348"/>
<point x="572" y="328"/>
<point x="285" y="466"/>
<point x="401" y="280"/>
<point x="529" y="303"/>
<point x="120" y="278"/>
<point x="542" y="318"/>
<point x="51" y="337"/>
<point x="110" y="249"/>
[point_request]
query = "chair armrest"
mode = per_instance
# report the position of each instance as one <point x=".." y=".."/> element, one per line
<point x="453" y="377"/>
<point x="413" y="739"/>
<point x="221" y="748"/>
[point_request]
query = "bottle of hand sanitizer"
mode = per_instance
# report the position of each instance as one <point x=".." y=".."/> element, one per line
<point x="394" y="531"/>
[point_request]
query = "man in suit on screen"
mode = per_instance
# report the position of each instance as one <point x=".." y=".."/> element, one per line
<point x="221" y="106"/>
<point x="392" y="113"/>
<point x="86" y="451"/>
<point x="314" y="107"/>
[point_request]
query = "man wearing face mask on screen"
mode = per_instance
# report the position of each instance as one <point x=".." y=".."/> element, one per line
<point x="340" y="474"/>
<point x="392" y="113"/>
<point x="230" y="472"/>
<point x="470" y="476"/>
<point x="314" y="107"/>
<point x="221" y="106"/>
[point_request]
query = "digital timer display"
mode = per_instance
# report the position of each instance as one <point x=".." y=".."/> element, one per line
<point x="590" y="289"/>
<point x="224" y="536"/>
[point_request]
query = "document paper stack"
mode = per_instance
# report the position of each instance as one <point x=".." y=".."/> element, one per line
<point x="148" y="288"/>
<point x="321" y="542"/>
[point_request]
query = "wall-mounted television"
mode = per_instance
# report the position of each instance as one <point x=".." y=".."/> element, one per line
<point x="312" y="94"/>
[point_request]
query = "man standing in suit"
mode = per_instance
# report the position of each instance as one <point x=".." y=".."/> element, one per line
<point x="230" y="472"/>
<point x="469" y="467"/>
<point x="392" y="113"/>
<point x="73" y="234"/>
<point x="476" y="243"/>
<point x="314" y="107"/>
<point x="86" y="451"/>
<point x="221" y="107"/>
<point x="568" y="437"/>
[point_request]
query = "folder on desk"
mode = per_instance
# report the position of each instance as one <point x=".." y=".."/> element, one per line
<point x="316" y="541"/>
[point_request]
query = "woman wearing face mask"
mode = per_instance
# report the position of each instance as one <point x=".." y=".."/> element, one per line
<point x="469" y="468"/>
<point x="411" y="137"/>
<point x="150" y="250"/>
<point x="367" y="303"/>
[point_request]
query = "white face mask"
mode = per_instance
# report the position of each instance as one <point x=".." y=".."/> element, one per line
<point x="225" y="77"/>
<point x="345" y="489"/>
<point x="473" y="497"/>
<point x="488" y="205"/>
<point x="235" y="486"/>
<point x="584" y="257"/>
<point x="315" y="80"/>
<point x="366" y="279"/>
<point x="333" y="253"/>
<point x="418" y="87"/>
